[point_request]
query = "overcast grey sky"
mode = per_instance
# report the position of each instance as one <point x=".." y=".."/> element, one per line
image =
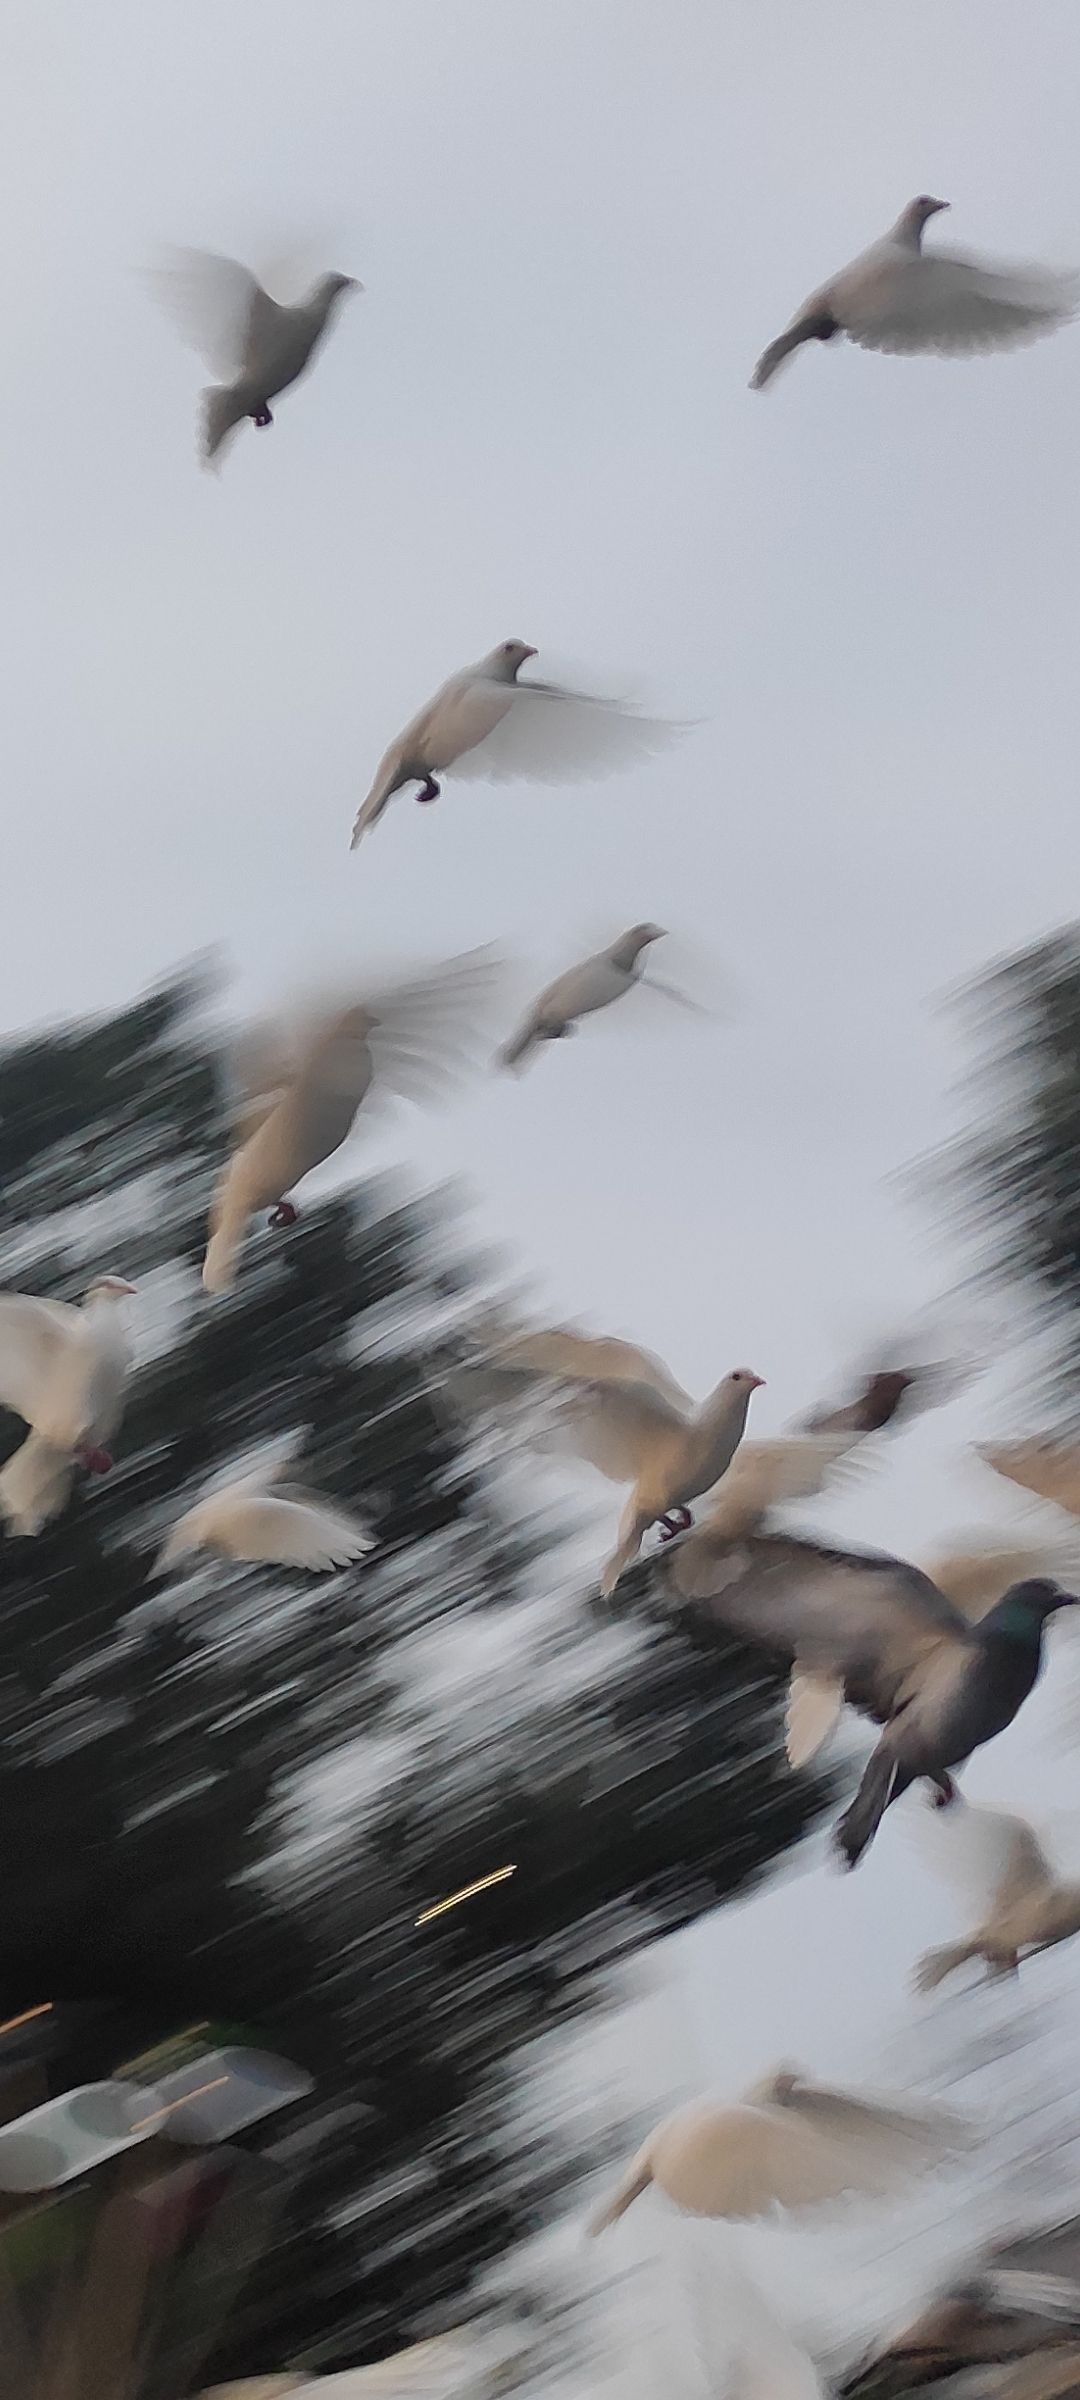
<point x="577" y="225"/>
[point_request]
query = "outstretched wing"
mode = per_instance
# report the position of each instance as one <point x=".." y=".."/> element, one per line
<point x="552" y="736"/>
<point x="869" y="1621"/>
<point x="35" y="1338"/>
<point x="218" y="306"/>
<point x="764" y="1475"/>
<point x="935" y="302"/>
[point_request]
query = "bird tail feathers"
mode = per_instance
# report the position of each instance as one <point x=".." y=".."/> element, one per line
<point x="516" y="1051"/>
<point x="636" y="2180"/>
<point x="773" y="358"/>
<point x="860" y="1822"/>
<point x="222" y="410"/>
<point x="219" y="1265"/>
<point x="935" y="1965"/>
<point x="34" y="1485"/>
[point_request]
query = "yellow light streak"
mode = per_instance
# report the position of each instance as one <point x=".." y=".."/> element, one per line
<point x="482" y="1884"/>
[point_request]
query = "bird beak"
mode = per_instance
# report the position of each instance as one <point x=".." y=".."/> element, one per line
<point x="939" y="205"/>
<point x="757" y="1383"/>
<point x="120" y="1287"/>
<point x="527" y="653"/>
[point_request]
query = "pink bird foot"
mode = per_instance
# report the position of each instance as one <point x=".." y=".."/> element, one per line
<point x="430" y="791"/>
<point x="945" y="1792"/>
<point x="677" y="1520"/>
<point x="261" y="415"/>
<point x="286" y="1213"/>
<point x="96" y="1462"/>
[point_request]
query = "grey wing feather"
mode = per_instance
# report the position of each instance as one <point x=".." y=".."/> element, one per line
<point x="218" y="306"/>
<point x="548" y="735"/>
<point x="869" y="1620"/>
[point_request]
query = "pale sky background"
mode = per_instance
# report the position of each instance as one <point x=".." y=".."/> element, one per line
<point x="578" y="223"/>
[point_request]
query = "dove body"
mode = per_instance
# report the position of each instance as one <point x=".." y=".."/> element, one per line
<point x="897" y="297"/>
<point x="63" y="1369"/>
<point x="599" y="980"/>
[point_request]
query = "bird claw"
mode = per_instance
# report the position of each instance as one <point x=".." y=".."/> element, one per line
<point x="286" y="1213"/>
<point x="430" y="790"/>
<point x="676" y="1520"/>
<point x="944" y="1793"/>
<point x="96" y="1462"/>
<point x="261" y="416"/>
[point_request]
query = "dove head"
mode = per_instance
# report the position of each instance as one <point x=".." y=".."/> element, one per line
<point x="630" y="944"/>
<point x="733" y="1395"/>
<point x="505" y="662"/>
<point x="110" y="1287"/>
<point x="1022" y="1611"/>
<point x="332" y="288"/>
<point x="917" y="214"/>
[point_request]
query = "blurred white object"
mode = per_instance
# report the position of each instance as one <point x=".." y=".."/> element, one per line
<point x="258" y="1517"/>
<point x="65" y="2138"/>
<point x="619" y="1408"/>
<point x="1002" y="1869"/>
<point x="789" y="2144"/>
<point x="484" y="723"/>
<point x="425" y="2371"/>
<point x="220" y="2092"/>
<point x="594" y="984"/>
<point x="255" y="346"/>
<point x="63" y="1369"/>
<point x="303" y="1092"/>
<point x="897" y="296"/>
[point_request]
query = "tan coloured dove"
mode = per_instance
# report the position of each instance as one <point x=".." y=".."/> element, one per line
<point x="1047" y="1468"/>
<point x="258" y="1517"/>
<point x="63" y="1369"/>
<point x="303" y="1099"/>
<point x="788" y="2145"/>
<point x="1026" y="1906"/>
<point x="483" y="723"/>
<point x="594" y="984"/>
<point x="256" y="346"/>
<point x="897" y="296"/>
<point x="621" y="1410"/>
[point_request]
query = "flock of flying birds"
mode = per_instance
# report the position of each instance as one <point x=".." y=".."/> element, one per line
<point x="940" y="1661"/>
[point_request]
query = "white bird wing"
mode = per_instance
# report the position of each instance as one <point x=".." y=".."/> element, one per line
<point x="989" y="1856"/>
<point x="1049" y="1469"/>
<point x="745" y="2161"/>
<point x="36" y="1339"/>
<point x="260" y="1067"/>
<point x="550" y="736"/>
<point x="294" y="1527"/>
<point x="219" y="307"/>
<point x="814" y="1703"/>
<point x="429" y="1031"/>
<point x="562" y="1354"/>
<point x="936" y="302"/>
<point x="619" y="1428"/>
<point x="764" y="1475"/>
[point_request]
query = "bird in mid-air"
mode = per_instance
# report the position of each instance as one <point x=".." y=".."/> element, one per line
<point x="482" y="723"/>
<point x="254" y="346"/>
<point x="63" y="1369"/>
<point x="897" y="296"/>
<point x="789" y="2144"/>
<point x="876" y="1633"/>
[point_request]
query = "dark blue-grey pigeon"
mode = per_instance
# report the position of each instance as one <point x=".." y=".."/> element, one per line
<point x="877" y="1633"/>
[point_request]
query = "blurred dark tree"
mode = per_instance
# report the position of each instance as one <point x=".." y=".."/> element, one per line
<point x="231" y="1794"/>
<point x="1015" y="1177"/>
